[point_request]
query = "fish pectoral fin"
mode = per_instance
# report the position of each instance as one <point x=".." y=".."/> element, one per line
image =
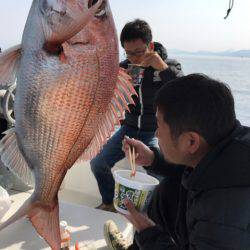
<point x="13" y="158"/>
<point x="59" y="28"/>
<point x="119" y="103"/>
<point x="45" y="219"/>
<point x="9" y="65"/>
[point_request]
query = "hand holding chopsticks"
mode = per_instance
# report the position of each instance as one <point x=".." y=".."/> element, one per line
<point x="137" y="153"/>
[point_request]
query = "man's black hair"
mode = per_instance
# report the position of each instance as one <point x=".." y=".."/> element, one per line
<point x="197" y="103"/>
<point x="137" y="29"/>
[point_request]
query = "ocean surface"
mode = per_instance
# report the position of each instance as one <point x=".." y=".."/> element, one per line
<point x="233" y="71"/>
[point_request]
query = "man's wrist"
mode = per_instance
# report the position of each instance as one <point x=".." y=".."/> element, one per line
<point x="151" y="158"/>
<point x="156" y="153"/>
<point x="148" y="235"/>
<point x="145" y="227"/>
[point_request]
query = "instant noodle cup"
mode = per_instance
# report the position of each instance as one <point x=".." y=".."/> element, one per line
<point x="137" y="189"/>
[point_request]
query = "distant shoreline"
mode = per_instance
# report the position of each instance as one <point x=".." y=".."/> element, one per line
<point x="234" y="54"/>
<point x="208" y="57"/>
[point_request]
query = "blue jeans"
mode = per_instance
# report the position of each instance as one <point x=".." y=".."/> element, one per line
<point x="112" y="153"/>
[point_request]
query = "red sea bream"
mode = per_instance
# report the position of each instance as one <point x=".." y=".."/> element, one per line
<point x="70" y="94"/>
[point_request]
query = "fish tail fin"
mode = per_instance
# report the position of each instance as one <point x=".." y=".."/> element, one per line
<point x="44" y="218"/>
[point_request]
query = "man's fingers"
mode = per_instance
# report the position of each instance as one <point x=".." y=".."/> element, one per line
<point x="126" y="146"/>
<point x="129" y="218"/>
<point x="130" y="206"/>
<point x="149" y="56"/>
<point x="130" y="141"/>
<point x="148" y="59"/>
<point x="125" y="143"/>
<point x="150" y="53"/>
<point x="136" y="155"/>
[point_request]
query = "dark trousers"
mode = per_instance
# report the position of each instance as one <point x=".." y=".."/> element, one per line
<point x="163" y="208"/>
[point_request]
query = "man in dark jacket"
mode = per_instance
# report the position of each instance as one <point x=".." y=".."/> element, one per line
<point x="205" y="205"/>
<point x="3" y="122"/>
<point x="140" y="122"/>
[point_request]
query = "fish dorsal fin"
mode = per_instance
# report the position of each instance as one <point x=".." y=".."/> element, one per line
<point x="9" y="65"/>
<point x="13" y="159"/>
<point x="119" y="103"/>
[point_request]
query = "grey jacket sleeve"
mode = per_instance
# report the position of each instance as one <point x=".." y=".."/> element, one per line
<point x="173" y="71"/>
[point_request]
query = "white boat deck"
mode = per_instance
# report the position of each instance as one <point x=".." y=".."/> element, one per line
<point x="78" y="197"/>
<point x="85" y="225"/>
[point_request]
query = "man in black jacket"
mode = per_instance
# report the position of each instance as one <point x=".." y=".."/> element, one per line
<point x="206" y="204"/>
<point x="140" y="122"/>
<point x="3" y="122"/>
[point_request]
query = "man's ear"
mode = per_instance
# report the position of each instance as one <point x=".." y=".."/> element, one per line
<point x="194" y="142"/>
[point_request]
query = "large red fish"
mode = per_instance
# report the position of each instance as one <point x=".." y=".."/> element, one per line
<point x="70" y="93"/>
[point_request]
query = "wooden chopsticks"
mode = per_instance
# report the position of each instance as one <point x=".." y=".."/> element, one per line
<point x="132" y="161"/>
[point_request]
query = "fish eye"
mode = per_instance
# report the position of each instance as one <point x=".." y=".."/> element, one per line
<point x="45" y="6"/>
<point x="92" y="2"/>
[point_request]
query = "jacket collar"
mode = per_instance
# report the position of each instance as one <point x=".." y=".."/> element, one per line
<point x="226" y="165"/>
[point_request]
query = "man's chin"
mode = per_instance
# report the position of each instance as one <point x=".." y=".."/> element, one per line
<point x="166" y="158"/>
<point x="169" y="161"/>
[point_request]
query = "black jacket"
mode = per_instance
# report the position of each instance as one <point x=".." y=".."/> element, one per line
<point x="142" y="115"/>
<point x="214" y="200"/>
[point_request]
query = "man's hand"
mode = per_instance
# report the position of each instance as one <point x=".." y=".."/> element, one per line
<point x="144" y="156"/>
<point x="139" y="220"/>
<point x="153" y="59"/>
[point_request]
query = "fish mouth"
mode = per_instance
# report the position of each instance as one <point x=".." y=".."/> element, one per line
<point x="101" y="12"/>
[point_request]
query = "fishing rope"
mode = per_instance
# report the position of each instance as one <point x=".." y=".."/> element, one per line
<point x="231" y="5"/>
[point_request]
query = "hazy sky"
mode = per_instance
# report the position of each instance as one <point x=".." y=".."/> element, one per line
<point x="182" y="24"/>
